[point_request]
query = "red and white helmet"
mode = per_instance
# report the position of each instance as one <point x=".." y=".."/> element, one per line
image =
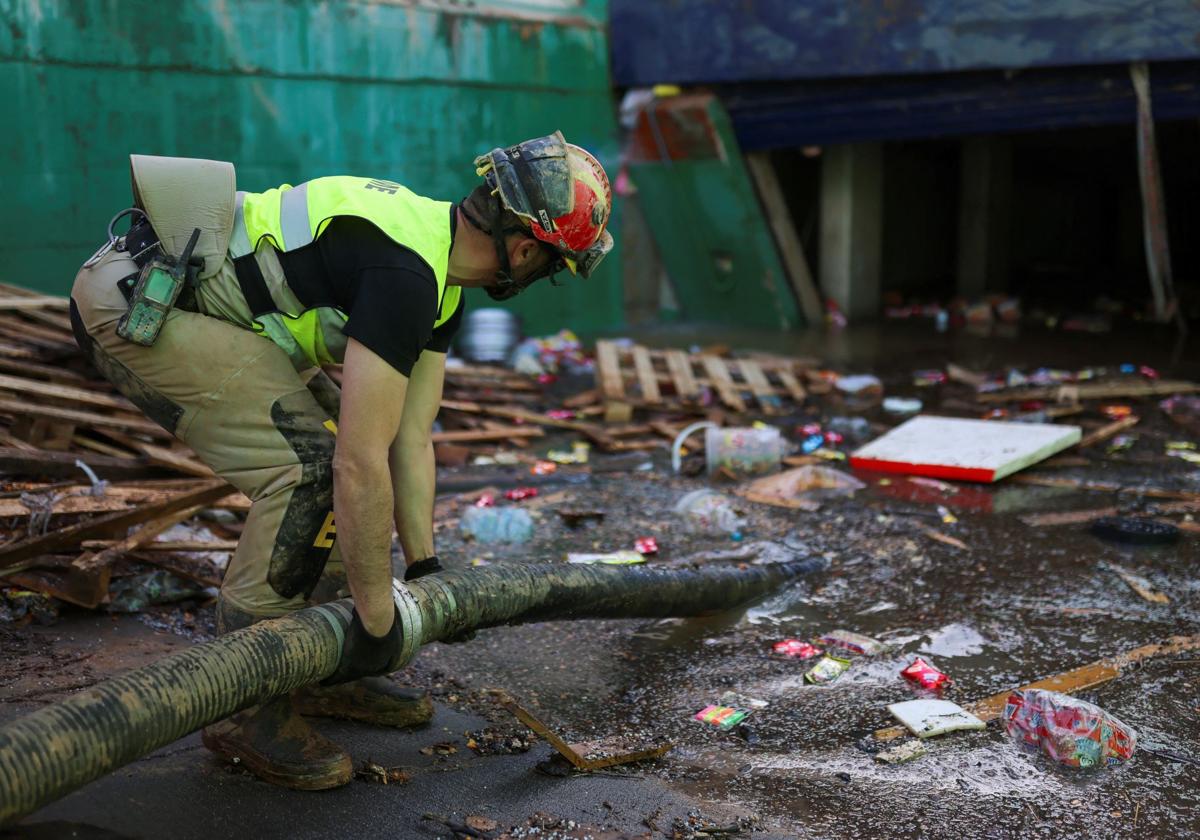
<point x="561" y="191"/>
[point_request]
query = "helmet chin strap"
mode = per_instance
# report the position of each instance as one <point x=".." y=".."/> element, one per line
<point x="506" y="286"/>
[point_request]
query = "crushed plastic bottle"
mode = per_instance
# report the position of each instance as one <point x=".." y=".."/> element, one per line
<point x="496" y="524"/>
<point x="710" y="512"/>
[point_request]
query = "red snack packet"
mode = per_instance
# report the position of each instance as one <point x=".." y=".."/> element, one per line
<point x="796" y="649"/>
<point x="646" y="545"/>
<point x="834" y="438"/>
<point x="485" y="500"/>
<point x="543" y="468"/>
<point x="810" y="429"/>
<point x="519" y="493"/>
<point x="925" y="675"/>
<point x="561" y="414"/>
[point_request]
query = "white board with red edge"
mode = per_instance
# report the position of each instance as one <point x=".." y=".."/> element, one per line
<point x="964" y="450"/>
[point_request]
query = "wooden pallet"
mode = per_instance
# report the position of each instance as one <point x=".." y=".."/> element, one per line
<point x="674" y="379"/>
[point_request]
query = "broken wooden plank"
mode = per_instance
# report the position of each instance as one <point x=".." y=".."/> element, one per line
<point x="65" y="538"/>
<point x="1138" y="584"/>
<point x="9" y="303"/>
<point x="608" y="370"/>
<point x="1102" y="487"/>
<point x="722" y="381"/>
<point x="85" y="418"/>
<point x="502" y="433"/>
<point x="647" y="380"/>
<point x="759" y="386"/>
<point x="91" y="561"/>
<point x="168" y="546"/>
<point x="16" y="460"/>
<point x="787" y="240"/>
<point x="680" y="368"/>
<point x="792" y="385"/>
<point x="1093" y="391"/>
<point x="21" y="385"/>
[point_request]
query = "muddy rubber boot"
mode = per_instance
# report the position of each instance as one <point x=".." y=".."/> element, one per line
<point x="278" y="746"/>
<point x="375" y="700"/>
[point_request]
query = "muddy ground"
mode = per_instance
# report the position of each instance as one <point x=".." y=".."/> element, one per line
<point x="1020" y="603"/>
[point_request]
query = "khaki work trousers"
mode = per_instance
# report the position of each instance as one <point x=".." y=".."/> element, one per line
<point x="235" y="399"/>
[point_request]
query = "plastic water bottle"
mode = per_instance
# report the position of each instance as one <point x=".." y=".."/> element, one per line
<point x="497" y="524"/>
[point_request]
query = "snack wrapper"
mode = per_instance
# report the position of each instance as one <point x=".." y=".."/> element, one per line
<point x="1073" y="732"/>
<point x="853" y="642"/>
<point x="827" y="669"/>
<point x="925" y="675"/>
<point x="722" y="717"/>
<point x="796" y="649"/>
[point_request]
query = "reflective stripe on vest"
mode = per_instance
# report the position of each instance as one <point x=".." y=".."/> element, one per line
<point x="289" y="218"/>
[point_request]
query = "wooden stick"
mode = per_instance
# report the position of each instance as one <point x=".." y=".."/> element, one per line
<point x="63" y="392"/>
<point x="1101" y="487"/>
<point x="608" y="371"/>
<point x="85" y="418"/>
<point x="17" y="460"/>
<point x="646" y="377"/>
<point x="1092" y="391"/>
<point x="174" y="546"/>
<point x="105" y="557"/>
<point x="66" y="538"/>
<point x="1105" y="432"/>
<point x="504" y="433"/>
<point x="8" y="303"/>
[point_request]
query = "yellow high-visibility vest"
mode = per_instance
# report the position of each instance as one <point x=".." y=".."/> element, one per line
<point x="288" y="218"/>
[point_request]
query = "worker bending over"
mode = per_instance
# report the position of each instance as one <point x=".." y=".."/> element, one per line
<point x="214" y="313"/>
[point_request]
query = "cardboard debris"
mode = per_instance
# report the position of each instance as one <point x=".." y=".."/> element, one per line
<point x="963" y="450"/>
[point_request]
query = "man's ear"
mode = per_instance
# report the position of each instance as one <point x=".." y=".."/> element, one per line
<point x="523" y="252"/>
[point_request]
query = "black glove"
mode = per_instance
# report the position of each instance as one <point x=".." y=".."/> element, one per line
<point x="428" y="566"/>
<point x="364" y="655"/>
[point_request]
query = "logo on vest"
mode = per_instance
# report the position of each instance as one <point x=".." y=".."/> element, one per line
<point x="389" y="187"/>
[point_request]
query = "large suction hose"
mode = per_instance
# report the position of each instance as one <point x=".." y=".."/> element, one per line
<point x="52" y="751"/>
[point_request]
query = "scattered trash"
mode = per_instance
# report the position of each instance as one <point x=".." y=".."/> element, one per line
<point x="519" y="493"/>
<point x="710" y="512"/>
<point x="926" y="378"/>
<point x="859" y="384"/>
<point x="496" y="524"/>
<point x="492" y="741"/>
<point x="20" y="606"/>
<point x="573" y="518"/>
<point x="1073" y="732"/>
<point x="612" y="558"/>
<point x="902" y="752"/>
<point x="853" y="642"/>
<point x="561" y="351"/>
<point x="929" y="718"/>
<point x="827" y="669"/>
<point x="740" y="452"/>
<point x="579" y="453"/>
<point x="134" y="594"/>
<point x="1135" y="530"/>
<point x="902" y="405"/>
<point x="485" y="500"/>
<point x="854" y="428"/>
<point x="804" y="488"/>
<point x="1116" y="412"/>
<point x="645" y="545"/>
<point x="369" y="771"/>
<point x="442" y="748"/>
<point x="722" y="717"/>
<point x="732" y="698"/>
<point x="543" y="468"/>
<point x="796" y="649"/>
<point x="925" y="675"/>
<point x="968" y="450"/>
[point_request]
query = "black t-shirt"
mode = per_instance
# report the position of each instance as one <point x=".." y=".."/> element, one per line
<point x="388" y="291"/>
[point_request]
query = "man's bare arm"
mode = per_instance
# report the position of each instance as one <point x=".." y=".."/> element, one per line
<point x="373" y="396"/>
<point x="411" y="458"/>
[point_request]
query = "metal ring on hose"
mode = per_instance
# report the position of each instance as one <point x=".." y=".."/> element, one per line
<point x="449" y="604"/>
<point x="410" y="624"/>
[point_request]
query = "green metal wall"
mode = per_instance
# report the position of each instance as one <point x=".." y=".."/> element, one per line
<point x="288" y="90"/>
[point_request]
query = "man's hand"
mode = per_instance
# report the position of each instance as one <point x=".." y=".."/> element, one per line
<point x="364" y="655"/>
